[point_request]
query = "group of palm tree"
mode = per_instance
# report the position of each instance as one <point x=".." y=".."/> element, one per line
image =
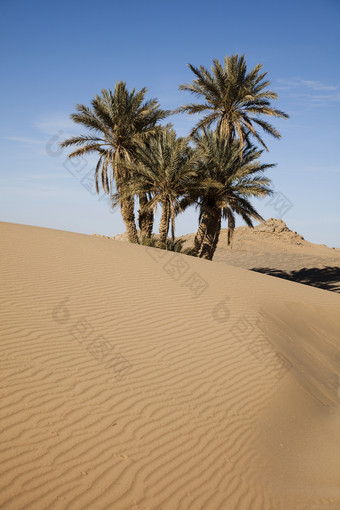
<point x="216" y="168"/>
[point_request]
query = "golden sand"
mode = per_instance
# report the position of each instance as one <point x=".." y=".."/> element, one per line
<point x="134" y="378"/>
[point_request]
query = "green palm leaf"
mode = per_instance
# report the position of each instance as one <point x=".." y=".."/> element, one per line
<point x="234" y="98"/>
<point x="118" y="122"/>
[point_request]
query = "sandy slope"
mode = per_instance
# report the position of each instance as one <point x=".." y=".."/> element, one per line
<point x="272" y="248"/>
<point x="133" y="378"/>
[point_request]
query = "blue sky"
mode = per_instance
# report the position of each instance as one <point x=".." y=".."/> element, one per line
<point x="55" y="55"/>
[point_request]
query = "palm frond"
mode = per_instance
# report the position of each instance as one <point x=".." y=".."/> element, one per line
<point x="230" y="95"/>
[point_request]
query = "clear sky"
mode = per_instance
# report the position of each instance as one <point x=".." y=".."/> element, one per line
<point x="57" y="54"/>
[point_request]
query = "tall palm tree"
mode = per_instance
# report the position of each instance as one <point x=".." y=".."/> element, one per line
<point x="161" y="170"/>
<point x="233" y="99"/>
<point x="224" y="186"/>
<point x="117" y="122"/>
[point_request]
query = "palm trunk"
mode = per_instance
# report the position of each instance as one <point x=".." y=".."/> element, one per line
<point x="164" y="223"/>
<point x="172" y="216"/>
<point x="145" y="218"/>
<point x="127" y="207"/>
<point x="127" y="210"/>
<point x="225" y="129"/>
<point x="216" y="238"/>
<point x="200" y="235"/>
<point x="212" y="235"/>
<point x="149" y="223"/>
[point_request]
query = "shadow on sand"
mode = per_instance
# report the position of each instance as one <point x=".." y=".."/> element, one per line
<point x="327" y="278"/>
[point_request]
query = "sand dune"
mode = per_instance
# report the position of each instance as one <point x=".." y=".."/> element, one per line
<point x="134" y="378"/>
<point x="272" y="248"/>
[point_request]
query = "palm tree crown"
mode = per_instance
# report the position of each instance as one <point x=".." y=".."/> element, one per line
<point x="117" y="123"/>
<point x="228" y="176"/>
<point x="233" y="98"/>
<point x="162" y="170"/>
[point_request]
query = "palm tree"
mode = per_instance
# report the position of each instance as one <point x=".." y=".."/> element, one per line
<point x="161" y="170"/>
<point x="117" y="123"/>
<point x="225" y="183"/>
<point x="233" y="99"/>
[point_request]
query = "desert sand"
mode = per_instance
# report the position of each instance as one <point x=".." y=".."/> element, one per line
<point x="273" y="248"/>
<point x="134" y="378"/>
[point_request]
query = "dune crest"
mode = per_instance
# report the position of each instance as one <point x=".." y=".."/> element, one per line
<point x="272" y="248"/>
